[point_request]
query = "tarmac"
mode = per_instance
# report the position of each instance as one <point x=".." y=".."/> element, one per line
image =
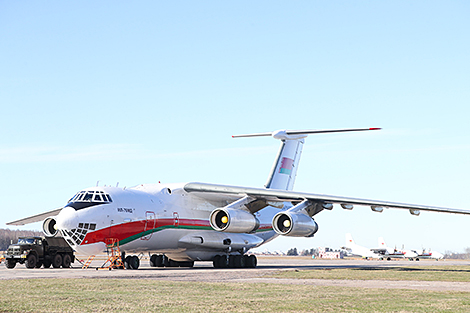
<point x="267" y="265"/>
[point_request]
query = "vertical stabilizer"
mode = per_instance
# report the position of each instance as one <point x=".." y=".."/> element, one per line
<point x="382" y="244"/>
<point x="285" y="167"/>
<point x="349" y="240"/>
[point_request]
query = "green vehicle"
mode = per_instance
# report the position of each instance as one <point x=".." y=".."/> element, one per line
<point x="35" y="252"/>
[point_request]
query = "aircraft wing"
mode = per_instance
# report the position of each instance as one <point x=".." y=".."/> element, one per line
<point x="35" y="218"/>
<point x="292" y="196"/>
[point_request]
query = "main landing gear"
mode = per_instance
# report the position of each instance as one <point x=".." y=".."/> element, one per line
<point x="131" y="262"/>
<point x="161" y="260"/>
<point x="235" y="261"/>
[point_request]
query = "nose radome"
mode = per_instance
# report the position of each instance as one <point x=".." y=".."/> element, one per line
<point x="67" y="218"/>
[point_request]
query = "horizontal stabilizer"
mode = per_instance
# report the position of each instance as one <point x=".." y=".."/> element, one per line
<point x="306" y="132"/>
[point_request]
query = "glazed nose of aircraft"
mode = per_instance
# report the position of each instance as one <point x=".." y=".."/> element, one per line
<point x="73" y="225"/>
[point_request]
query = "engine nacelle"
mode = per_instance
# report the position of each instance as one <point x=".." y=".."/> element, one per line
<point x="294" y="224"/>
<point x="49" y="227"/>
<point x="233" y="220"/>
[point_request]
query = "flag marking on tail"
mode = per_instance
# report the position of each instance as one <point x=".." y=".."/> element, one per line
<point x="286" y="166"/>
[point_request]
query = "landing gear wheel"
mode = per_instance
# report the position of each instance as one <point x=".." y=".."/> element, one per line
<point x="172" y="263"/>
<point x="187" y="264"/>
<point x="67" y="261"/>
<point x="215" y="261"/>
<point x="156" y="260"/>
<point x="231" y="261"/>
<point x="127" y="262"/>
<point x="223" y="261"/>
<point x="10" y="263"/>
<point x="134" y="262"/>
<point x="250" y="261"/>
<point x="239" y="261"/>
<point x="159" y="261"/>
<point x="153" y="260"/>
<point x="57" y="261"/>
<point x="31" y="261"/>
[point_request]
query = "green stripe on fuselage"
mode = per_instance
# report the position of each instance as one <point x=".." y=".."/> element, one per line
<point x="151" y="231"/>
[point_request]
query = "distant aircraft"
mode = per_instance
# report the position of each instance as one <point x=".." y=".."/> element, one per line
<point x="428" y="255"/>
<point x="389" y="253"/>
<point x="178" y="224"/>
<point x="356" y="250"/>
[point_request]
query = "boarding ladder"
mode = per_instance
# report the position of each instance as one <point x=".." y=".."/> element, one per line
<point x="114" y="254"/>
<point x="88" y="262"/>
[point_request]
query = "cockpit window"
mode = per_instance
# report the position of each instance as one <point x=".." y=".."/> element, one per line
<point x="88" y="196"/>
<point x="85" y="199"/>
<point x="91" y="196"/>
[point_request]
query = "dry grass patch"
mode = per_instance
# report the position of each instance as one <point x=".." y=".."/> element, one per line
<point x="421" y="273"/>
<point x="145" y="295"/>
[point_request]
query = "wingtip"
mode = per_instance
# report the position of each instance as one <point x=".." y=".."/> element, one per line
<point x="375" y="128"/>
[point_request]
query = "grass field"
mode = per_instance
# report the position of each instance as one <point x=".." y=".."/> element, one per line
<point x="148" y="295"/>
<point x="143" y="295"/>
<point x="424" y="273"/>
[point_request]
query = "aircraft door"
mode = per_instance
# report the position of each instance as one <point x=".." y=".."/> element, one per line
<point x="150" y="221"/>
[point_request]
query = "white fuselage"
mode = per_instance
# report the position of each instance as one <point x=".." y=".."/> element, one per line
<point x="157" y="218"/>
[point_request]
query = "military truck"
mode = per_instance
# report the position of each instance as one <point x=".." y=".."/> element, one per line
<point x="35" y="252"/>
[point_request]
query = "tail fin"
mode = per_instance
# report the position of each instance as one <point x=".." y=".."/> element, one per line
<point x="349" y="240"/>
<point x="285" y="167"/>
<point x="382" y="243"/>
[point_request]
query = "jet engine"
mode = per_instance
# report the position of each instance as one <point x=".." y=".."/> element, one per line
<point x="294" y="224"/>
<point x="49" y="227"/>
<point x="233" y="220"/>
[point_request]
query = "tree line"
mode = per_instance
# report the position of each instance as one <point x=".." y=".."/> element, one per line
<point x="307" y="252"/>
<point x="7" y="236"/>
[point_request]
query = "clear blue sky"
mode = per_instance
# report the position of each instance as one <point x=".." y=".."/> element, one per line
<point x="148" y="91"/>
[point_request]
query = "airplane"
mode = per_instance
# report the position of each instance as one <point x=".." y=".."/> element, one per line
<point x="177" y="224"/>
<point x="356" y="250"/>
<point x="429" y="255"/>
<point x="388" y="253"/>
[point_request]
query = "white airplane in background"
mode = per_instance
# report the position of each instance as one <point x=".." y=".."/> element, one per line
<point x="178" y="224"/>
<point x="389" y="253"/>
<point x="429" y="255"/>
<point x="361" y="251"/>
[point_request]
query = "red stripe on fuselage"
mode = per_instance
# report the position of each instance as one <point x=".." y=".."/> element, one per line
<point x="126" y="230"/>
